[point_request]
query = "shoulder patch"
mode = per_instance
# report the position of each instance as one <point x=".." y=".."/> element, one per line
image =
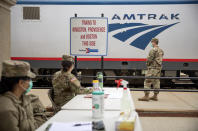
<point x="73" y="79"/>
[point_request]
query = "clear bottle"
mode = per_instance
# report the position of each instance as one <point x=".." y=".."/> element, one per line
<point x="100" y="79"/>
<point x="96" y="85"/>
<point x="97" y="104"/>
<point x="125" y="106"/>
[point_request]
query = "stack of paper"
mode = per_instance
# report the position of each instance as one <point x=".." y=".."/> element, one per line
<point x="74" y="126"/>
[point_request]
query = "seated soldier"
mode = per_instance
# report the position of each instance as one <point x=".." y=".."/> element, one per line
<point x="19" y="112"/>
<point x="65" y="84"/>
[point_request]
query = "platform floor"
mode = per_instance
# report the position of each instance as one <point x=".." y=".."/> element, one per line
<point x="168" y="101"/>
<point x="169" y="123"/>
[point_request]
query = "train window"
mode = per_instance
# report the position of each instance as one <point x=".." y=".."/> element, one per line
<point x="31" y="13"/>
<point x="186" y="64"/>
<point x="124" y="63"/>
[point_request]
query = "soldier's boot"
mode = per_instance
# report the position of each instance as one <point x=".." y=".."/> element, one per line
<point x="145" y="98"/>
<point x="154" y="97"/>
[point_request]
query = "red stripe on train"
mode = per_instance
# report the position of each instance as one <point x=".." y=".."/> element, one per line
<point x="99" y="59"/>
<point x="35" y="58"/>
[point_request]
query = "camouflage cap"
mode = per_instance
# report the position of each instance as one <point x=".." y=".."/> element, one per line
<point x="68" y="58"/>
<point x="13" y="68"/>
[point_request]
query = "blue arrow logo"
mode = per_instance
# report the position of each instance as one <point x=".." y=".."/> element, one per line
<point x="142" y="41"/>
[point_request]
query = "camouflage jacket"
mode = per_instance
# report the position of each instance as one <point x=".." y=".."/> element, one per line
<point x="39" y="111"/>
<point x="66" y="86"/>
<point x="20" y="115"/>
<point x="154" y="59"/>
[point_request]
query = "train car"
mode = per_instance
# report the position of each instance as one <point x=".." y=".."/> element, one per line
<point x="40" y="34"/>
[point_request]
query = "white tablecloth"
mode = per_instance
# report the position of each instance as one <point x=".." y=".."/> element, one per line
<point x="112" y="102"/>
<point x="86" y="116"/>
<point x="79" y="110"/>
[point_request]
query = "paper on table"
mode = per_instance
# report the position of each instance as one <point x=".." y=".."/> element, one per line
<point x="82" y="126"/>
<point x="115" y="93"/>
<point x="90" y="96"/>
<point x="115" y="96"/>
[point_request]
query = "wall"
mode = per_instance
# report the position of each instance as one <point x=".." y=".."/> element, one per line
<point x="5" y="29"/>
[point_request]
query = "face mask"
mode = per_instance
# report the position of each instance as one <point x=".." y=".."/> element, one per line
<point x="30" y="87"/>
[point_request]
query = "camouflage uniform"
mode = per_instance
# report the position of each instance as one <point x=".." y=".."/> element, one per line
<point x="25" y="114"/>
<point x="66" y="86"/>
<point x="19" y="114"/>
<point x="39" y="112"/>
<point x="154" y="66"/>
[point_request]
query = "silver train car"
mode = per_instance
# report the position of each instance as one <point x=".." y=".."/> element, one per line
<point x="40" y="34"/>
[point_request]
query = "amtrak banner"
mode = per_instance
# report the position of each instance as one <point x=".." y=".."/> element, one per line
<point x="88" y="36"/>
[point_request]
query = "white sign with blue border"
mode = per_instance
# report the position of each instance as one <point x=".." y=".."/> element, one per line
<point x="88" y="36"/>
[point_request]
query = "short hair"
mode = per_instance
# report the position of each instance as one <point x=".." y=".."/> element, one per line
<point x="66" y="65"/>
<point x="155" y="40"/>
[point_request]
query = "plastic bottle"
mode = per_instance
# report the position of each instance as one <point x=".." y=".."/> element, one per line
<point x="100" y="79"/>
<point x="96" y="85"/>
<point x="97" y="104"/>
<point x="125" y="106"/>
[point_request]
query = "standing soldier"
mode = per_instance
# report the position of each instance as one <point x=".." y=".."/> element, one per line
<point x="65" y="84"/>
<point x="154" y="66"/>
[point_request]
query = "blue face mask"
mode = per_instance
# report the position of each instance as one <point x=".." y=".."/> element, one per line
<point x="30" y="87"/>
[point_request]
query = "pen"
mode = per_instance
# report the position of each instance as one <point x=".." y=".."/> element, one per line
<point x="82" y="124"/>
<point x="48" y="127"/>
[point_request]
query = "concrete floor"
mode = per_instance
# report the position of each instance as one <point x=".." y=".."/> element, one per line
<point x="169" y="123"/>
<point x="168" y="101"/>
